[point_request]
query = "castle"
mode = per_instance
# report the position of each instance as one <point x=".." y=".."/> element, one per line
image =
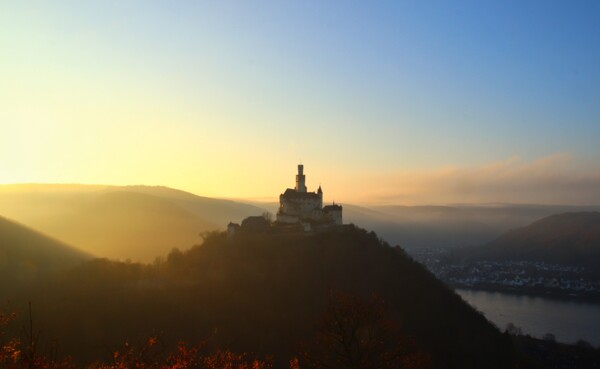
<point x="297" y="205"/>
<point x="298" y="210"/>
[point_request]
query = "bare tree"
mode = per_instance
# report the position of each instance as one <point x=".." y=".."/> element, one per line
<point x="355" y="334"/>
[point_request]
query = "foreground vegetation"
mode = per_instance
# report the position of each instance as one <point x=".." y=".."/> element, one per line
<point x="353" y="333"/>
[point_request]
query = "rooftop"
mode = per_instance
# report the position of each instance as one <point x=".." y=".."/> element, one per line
<point x="291" y="193"/>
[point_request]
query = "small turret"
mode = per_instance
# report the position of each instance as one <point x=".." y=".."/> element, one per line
<point x="320" y="193"/>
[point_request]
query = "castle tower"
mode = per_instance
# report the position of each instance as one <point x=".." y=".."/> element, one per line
<point x="300" y="179"/>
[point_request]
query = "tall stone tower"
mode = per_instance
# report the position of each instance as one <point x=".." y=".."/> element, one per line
<point x="300" y="179"/>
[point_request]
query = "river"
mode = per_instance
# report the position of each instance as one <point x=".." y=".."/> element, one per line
<point x="568" y="320"/>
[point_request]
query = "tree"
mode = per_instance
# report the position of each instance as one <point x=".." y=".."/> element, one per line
<point x="513" y="330"/>
<point x="268" y="217"/>
<point x="549" y="337"/>
<point x="22" y="353"/>
<point x="355" y="334"/>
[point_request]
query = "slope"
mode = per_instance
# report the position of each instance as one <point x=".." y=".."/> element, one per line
<point x="124" y="222"/>
<point x="217" y="211"/>
<point x="26" y="255"/>
<point x="263" y="294"/>
<point x="450" y="226"/>
<point x="567" y="238"/>
<point x="129" y="225"/>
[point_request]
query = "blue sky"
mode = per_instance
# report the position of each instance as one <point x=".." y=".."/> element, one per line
<point x="370" y="89"/>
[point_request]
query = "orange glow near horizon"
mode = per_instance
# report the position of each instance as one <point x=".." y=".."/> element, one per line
<point x="510" y="181"/>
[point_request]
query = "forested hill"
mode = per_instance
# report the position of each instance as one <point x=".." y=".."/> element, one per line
<point x="264" y="294"/>
<point x="26" y="254"/>
<point x="568" y="238"/>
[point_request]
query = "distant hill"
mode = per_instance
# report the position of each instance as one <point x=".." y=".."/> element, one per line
<point x="142" y="222"/>
<point x="123" y="222"/>
<point x="438" y="226"/>
<point x="26" y="254"/>
<point x="567" y="238"/>
<point x="422" y="226"/>
<point x="449" y="226"/>
<point x="262" y="294"/>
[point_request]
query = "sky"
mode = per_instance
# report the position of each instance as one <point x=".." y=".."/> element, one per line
<point x="388" y="102"/>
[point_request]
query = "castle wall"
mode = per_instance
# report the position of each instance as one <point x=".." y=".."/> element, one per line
<point x="285" y="218"/>
<point x="299" y="206"/>
<point x="336" y="216"/>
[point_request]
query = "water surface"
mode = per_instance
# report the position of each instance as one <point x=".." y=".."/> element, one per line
<point x="568" y="320"/>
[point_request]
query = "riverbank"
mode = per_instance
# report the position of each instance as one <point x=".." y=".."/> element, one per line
<point x="554" y="355"/>
<point x="569" y="320"/>
<point x="591" y="297"/>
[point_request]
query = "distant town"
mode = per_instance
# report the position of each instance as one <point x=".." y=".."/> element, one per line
<point x="527" y="277"/>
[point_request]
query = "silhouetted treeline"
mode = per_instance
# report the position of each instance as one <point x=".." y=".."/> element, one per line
<point x="260" y="294"/>
<point x="547" y="353"/>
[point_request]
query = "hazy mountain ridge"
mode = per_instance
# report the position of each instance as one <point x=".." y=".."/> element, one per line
<point x="124" y="222"/>
<point x="567" y="238"/>
<point x="444" y="226"/>
<point x="119" y="222"/>
<point x="449" y="226"/>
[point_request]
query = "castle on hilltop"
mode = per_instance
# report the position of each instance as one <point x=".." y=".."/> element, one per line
<point x="299" y="210"/>
<point x="297" y="205"/>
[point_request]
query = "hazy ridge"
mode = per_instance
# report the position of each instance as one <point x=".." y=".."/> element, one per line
<point x="449" y="226"/>
<point x="143" y="222"/>
<point x="567" y="238"/>
<point x="121" y="222"/>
